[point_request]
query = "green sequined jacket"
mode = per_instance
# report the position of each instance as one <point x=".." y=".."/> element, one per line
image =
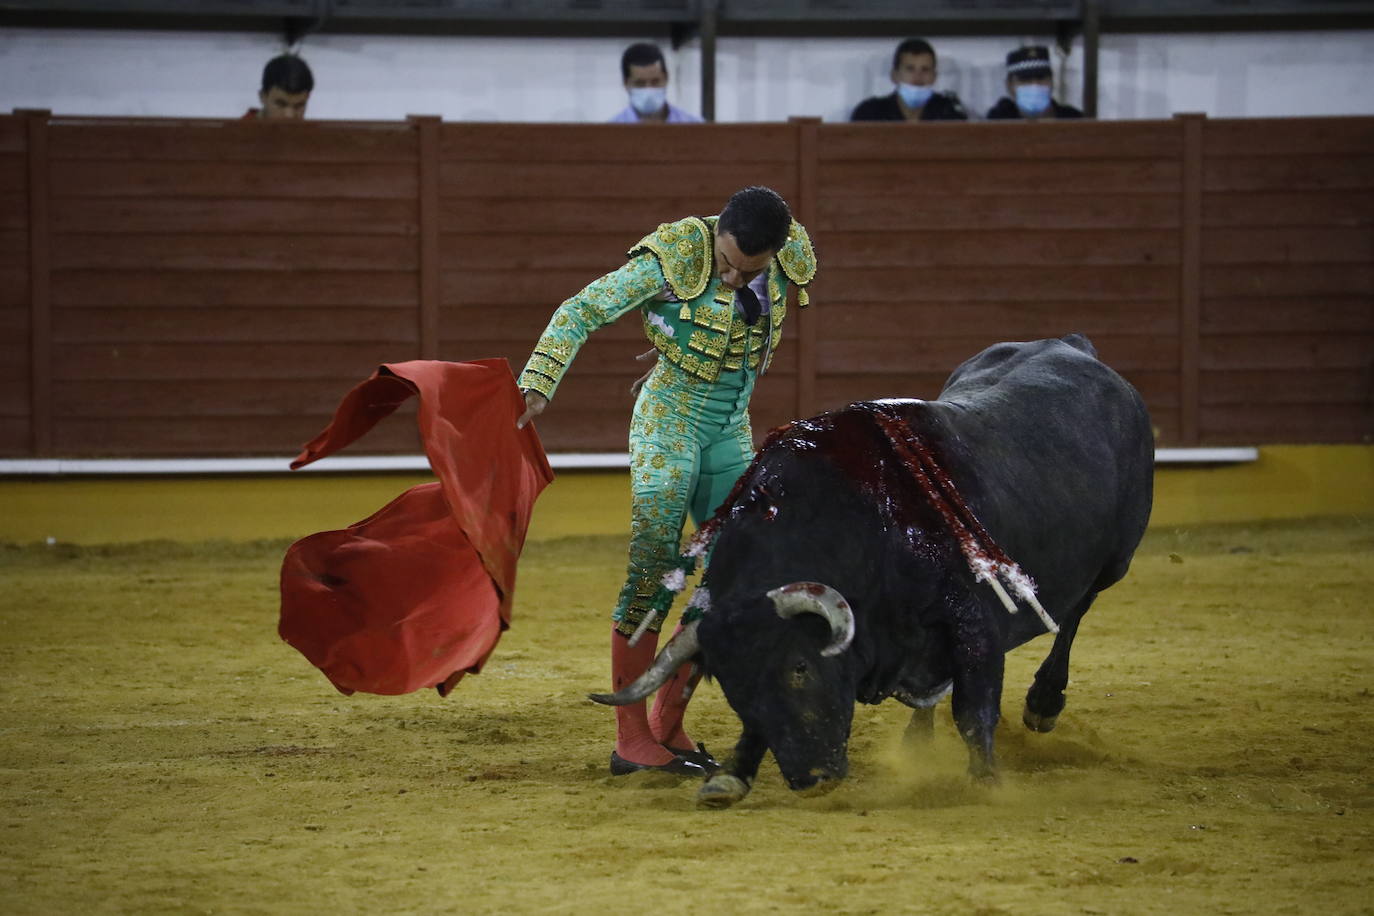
<point x="688" y="316"/>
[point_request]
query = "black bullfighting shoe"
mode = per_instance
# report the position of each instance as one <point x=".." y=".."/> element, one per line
<point x="700" y="756"/>
<point x="679" y="766"/>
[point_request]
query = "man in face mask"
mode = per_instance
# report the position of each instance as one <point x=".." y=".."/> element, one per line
<point x="914" y="97"/>
<point x="646" y="81"/>
<point x="1030" y="86"/>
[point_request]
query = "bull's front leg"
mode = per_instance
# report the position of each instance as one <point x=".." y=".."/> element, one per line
<point x="977" y="700"/>
<point x="735" y="779"/>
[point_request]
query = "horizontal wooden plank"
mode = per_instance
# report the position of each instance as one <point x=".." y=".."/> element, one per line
<point x="840" y="285"/>
<point x="197" y="216"/>
<point x="14" y="330"/>
<point x="1167" y="427"/>
<point x="248" y="363"/>
<point x="203" y="398"/>
<point x="270" y="324"/>
<point x="591" y="251"/>
<point x="14" y="212"/>
<point x="1286" y="351"/>
<point x="1159" y="388"/>
<point x="1293" y="281"/>
<point x="147" y="251"/>
<point x="840" y="212"/>
<point x="16" y="437"/>
<point x="1288" y="173"/>
<point x="76" y="178"/>
<point x="14" y="376"/>
<point x="675" y="144"/>
<point x="227" y="437"/>
<point x="1289" y="245"/>
<point x="14" y="249"/>
<point x="876" y="179"/>
<point x="611" y="181"/>
<point x="514" y="329"/>
<point x="1009" y="142"/>
<point x="199" y="289"/>
<point x="14" y="288"/>
<point x="1288" y="208"/>
<point x="835" y="357"/>
<point x="1286" y="423"/>
<point x="921" y="247"/>
<point x="835" y="390"/>
<point x="486" y="288"/>
<point x="1226" y="137"/>
<point x="1286" y="386"/>
<point x="582" y="431"/>
<point x="1014" y="320"/>
<point x="14" y="134"/>
<point x="1240" y="316"/>
<point x="233" y="141"/>
<point x="631" y="219"/>
<point x="14" y="176"/>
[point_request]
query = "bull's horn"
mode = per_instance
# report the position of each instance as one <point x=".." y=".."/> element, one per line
<point x="680" y="649"/>
<point x="817" y="598"/>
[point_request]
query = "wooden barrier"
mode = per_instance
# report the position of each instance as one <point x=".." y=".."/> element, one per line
<point x="210" y="288"/>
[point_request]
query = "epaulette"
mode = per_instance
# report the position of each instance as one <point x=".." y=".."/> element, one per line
<point x="685" y="251"/>
<point x="798" y="260"/>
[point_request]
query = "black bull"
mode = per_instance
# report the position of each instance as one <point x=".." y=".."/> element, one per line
<point x="854" y="559"/>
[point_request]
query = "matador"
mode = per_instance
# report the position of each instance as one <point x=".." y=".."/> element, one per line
<point x="712" y="294"/>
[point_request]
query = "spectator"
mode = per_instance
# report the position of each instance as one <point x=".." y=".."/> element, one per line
<point x="914" y="98"/>
<point x="646" y="80"/>
<point x="1030" y="82"/>
<point x="286" y="86"/>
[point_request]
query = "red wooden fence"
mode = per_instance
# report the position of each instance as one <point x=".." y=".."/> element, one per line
<point x="210" y="288"/>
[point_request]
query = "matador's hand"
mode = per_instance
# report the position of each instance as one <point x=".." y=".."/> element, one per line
<point x="534" y="406"/>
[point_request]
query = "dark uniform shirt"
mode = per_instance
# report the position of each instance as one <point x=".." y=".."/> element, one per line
<point x="941" y="106"/>
<point x="1006" y="110"/>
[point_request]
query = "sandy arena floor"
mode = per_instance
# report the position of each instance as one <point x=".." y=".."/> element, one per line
<point x="163" y="751"/>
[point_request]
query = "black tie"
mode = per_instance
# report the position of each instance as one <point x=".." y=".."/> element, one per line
<point x="750" y="302"/>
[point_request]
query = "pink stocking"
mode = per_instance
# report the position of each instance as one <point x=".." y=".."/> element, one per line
<point x="671" y="704"/>
<point x="634" y="740"/>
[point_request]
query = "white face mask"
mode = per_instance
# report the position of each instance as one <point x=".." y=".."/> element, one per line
<point x="915" y="96"/>
<point x="648" y="100"/>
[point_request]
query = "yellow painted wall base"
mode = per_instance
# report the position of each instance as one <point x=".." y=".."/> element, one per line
<point x="1286" y="482"/>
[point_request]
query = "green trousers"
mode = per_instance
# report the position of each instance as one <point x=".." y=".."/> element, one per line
<point x="689" y="442"/>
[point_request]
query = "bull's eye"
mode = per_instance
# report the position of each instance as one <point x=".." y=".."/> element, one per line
<point x="800" y="674"/>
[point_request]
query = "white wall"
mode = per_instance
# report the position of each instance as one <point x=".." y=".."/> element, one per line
<point x="195" y="74"/>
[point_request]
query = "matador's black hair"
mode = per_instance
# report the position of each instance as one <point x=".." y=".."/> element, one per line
<point x="758" y="218"/>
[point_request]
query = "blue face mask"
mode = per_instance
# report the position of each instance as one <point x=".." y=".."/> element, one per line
<point x="1033" y="99"/>
<point x="648" y="100"/>
<point x="914" y="96"/>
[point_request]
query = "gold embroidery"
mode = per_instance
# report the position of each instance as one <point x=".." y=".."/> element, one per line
<point x="797" y="258"/>
<point x="686" y="251"/>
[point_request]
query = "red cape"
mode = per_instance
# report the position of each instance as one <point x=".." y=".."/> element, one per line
<point x="417" y="594"/>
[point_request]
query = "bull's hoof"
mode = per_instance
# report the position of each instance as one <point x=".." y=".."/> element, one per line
<point x="921" y="729"/>
<point x="984" y="776"/>
<point x="721" y="791"/>
<point x="824" y="787"/>
<point x="1036" y="722"/>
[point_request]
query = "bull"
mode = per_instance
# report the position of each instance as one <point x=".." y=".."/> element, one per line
<point x="882" y="550"/>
